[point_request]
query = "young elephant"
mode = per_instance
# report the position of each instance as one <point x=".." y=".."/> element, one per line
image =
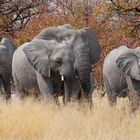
<point x="40" y="65"/>
<point x="121" y="73"/>
<point x="7" y="49"/>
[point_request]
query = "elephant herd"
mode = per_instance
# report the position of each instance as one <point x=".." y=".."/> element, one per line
<point x="58" y="61"/>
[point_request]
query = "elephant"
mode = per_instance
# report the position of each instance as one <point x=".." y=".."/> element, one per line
<point x="41" y="66"/>
<point x="7" y="49"/>
<point x="121" y="74"/>
<point x="86" y="50"/>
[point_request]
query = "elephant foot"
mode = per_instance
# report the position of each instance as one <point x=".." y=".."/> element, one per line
<point x="135" y="101"/>
<point x="86" y="103"/>
<point x="123" y="93"/>
<point x="86" y="106"/>
<point x="8" y="97"/>
<point x="112" y="101"/>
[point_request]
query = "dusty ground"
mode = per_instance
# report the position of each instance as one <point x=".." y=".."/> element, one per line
<point x="34" y="120"/>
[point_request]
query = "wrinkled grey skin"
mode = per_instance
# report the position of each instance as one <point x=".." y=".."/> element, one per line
<point x="39" y="65"/>
<point x="86" y="50"/>
<point x="7" y="49"/>
<point x="118" y="63"/>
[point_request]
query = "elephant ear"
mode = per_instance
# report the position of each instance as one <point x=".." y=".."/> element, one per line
<point x="95" y="49"/>
<point x="38" y="57"/>
<point x="128" y="63"/>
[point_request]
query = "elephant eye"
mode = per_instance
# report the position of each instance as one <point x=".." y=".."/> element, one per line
<point x="58" y="62"/>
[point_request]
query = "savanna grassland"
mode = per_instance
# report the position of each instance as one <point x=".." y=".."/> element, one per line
<point x="35" y="120"/>
<point x="116" y="23"/>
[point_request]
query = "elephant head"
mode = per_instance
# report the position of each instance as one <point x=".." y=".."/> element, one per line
<point x="50" y="58"/>
<point x="129" y="63"/>
<point x="9" y="45"/>
<point x="86" y="50"/>
<point x="7" y="49"/>
<point x="51" y="33"/>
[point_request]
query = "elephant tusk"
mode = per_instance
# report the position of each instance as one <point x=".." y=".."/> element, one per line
<point x="76" y="77"/>
<point x="62" y="77"/>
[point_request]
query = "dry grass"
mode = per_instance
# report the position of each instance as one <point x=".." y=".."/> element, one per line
<point x="33" y="120"/>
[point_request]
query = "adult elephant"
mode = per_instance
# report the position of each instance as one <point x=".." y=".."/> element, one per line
<point x="86" y="50"/>
<point x="7" y="49"/>
<point x="121" y="73"/>
<point x="40" y="65"/>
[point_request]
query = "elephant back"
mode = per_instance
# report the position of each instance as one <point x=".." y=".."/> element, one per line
<point x="49" y="33"/>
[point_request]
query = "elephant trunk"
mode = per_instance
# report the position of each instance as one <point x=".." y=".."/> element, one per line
<point x="67" y="91"/>
<point x="84" y="70"/>
<point x="68" y="76"/>
<point x="84" y="75"/>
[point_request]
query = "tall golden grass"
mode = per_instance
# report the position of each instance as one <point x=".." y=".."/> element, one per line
<point x="35" y="120"/>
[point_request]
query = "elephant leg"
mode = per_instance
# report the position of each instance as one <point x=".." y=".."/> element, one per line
<point x="86" y="98"/>
<point x="46" y="88"/>
<point x="112" y="98"/>
<point x="1" y="87"/>
<point x="93" y="86"/>
<point x="132" y="94"/>
<point x="75" y="95"/>
<point x="20" y="91"/>
<point x="56" y="100"/>
<point x="134" y="100"/>
<point x="22" y="94"/>
<point x="6" y="85"/>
